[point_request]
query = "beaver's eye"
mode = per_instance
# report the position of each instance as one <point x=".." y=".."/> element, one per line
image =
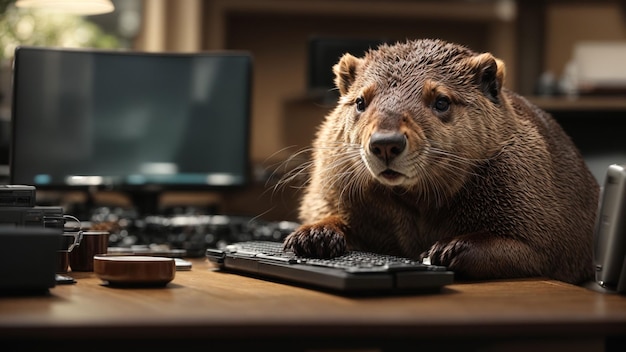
<point x="442" y="104"/>
<point x="360" y="104"/>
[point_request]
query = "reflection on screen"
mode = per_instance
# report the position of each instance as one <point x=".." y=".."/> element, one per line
<point x="85" y="117"/>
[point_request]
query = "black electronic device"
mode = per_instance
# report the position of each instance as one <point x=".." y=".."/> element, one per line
<point x="37" y="216"/>
<point x="18" y="209"/>
<point x="32" y="240"/>
<point x="136" y="122"/>
<point x="355" y="272"/>
<point x="28" y="258"/>
<point x="610" y="231"/>
<point x="17" y="196"/>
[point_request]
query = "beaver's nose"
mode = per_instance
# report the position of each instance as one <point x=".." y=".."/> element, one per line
<point x="387" y="145"/>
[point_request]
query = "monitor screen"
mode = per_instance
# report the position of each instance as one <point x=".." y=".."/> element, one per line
<point x="129" y="120"/>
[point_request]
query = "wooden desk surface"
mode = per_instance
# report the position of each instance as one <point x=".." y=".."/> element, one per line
<point x="204" y="304"/>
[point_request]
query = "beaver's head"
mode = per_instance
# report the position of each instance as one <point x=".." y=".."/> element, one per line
<point x="423" y="112"/>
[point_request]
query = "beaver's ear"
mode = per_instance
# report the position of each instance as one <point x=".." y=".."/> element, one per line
<point x="490" y="73"/>
<point x="345" y="72"/>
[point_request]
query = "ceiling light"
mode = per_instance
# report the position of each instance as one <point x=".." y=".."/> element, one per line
<point x="78" y="7"/>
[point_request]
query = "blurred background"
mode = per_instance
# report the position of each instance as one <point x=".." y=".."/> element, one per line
<point x="564" y="55"/>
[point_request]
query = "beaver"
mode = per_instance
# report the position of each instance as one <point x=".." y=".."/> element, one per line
<point x="427" y="155"/>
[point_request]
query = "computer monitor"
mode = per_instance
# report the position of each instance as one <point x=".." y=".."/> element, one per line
<point x="141" y="123"/>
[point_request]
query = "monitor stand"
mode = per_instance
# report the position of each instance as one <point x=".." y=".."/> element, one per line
<point x="146" y="201"/>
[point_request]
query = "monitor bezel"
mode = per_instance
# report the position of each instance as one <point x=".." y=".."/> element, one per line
<point x="136" y="189"/>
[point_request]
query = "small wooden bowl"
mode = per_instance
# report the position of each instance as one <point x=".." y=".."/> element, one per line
<point x="134" y="270"/>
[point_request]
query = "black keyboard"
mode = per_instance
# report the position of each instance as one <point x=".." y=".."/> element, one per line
<point x="353" y="261"/>
<point x="353" y="272"/>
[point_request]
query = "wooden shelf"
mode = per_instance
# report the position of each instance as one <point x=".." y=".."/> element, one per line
<point x="579" y="104"/>
<point x="449" y="10"/>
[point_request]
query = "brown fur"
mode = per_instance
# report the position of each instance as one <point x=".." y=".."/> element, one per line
<point x="426" y="154"/>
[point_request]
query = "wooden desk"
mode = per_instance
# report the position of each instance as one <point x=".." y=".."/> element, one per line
<point x="215" y="311"/>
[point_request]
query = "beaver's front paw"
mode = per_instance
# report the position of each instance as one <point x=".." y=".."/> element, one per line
<point x="320" y="240"/>
<point x="447" y="253"/>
